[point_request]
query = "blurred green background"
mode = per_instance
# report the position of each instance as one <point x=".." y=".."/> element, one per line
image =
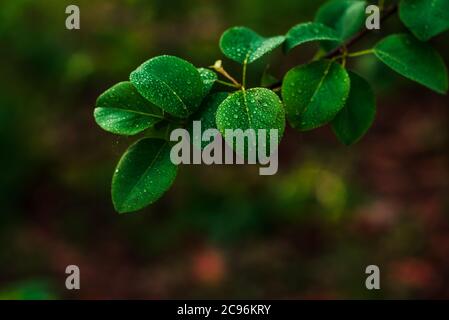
<point x="221" y="232"/>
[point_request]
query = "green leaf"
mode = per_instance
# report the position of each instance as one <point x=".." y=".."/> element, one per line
<point x="307" y="32"/>
<point x="207" y="115"/>
<point x="143" y="175"/>
<point x="425" y="18"/>
<point x="208" y="77"/>
<point x="256" y="108"/>
<point x="314" y="93"/>
<point x="240" y="44"/>
<point x="358" y="114"/>
<point x="346" y="17"/>
<point x="171" y="83"/>
<point x="415" y="60"/>
<point x="122" y="110"/>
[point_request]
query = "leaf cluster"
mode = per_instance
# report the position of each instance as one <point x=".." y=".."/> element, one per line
<point x="168" y="92"/>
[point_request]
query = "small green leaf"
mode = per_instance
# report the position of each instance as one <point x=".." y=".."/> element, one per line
<point x="171" y="83"/>
<point x="307" y="32"/>
<point x="122" y="110"/>
<point x="256" y="108"/>
<point x="415" y="60"/>
<point x="346" y="17"/>
<point x="208" y="77"/>
<point x="425" y="18"/>
<point x="358" y="114"/>
<point x="143" y="175"/>
<point x="314" y="93"/>
<point x="207" y="115"/>
<point x="240" y="44"/>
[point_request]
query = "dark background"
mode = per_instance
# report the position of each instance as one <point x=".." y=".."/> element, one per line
<point x="223" y="231"/>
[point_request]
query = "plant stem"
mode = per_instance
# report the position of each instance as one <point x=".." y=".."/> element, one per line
<point x="228" y="84"/>
<point x="245" y="64"/>
<point x="345" y="55"/>
<point x="360" y="53"/>
<point x="229" y="77"/>
<point x="219" y="68"/>
<point x="318" y="55"/>
<point x="353" y="54"/>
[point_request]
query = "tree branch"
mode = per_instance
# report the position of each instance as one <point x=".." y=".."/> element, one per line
<point x="339" y="50"/>
<point x="388" y="13"/>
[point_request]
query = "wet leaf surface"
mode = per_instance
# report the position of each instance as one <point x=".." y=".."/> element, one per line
<point x="208" y="77"/>
<point x="257" y="108"/>
<point x="171" y="83"/>
<point x="143" y="175"/>
<point x="122" y="110"/>
<point x="241" y="43"/>
<point x="415" y="60"/>
<point x="307" y="32"/>
<point x="314" y="93"/>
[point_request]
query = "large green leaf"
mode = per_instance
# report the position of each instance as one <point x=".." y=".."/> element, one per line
<point x="207" y="116"/>
<point x="415" y="60"/>
<point x="122" y="110"/>
<point x="243" y="44"/>
<point x="314" y="93"/>
<point x="256" y="108"/>
<point x="307" y="32"/>
<point x="425" y="18"/>
<point x="358" y="114"/>
<point x="208" y="77"/>
<point x="346" y="17"/>
<point x="171" y="83"/>
<point x="143" y="175"/>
